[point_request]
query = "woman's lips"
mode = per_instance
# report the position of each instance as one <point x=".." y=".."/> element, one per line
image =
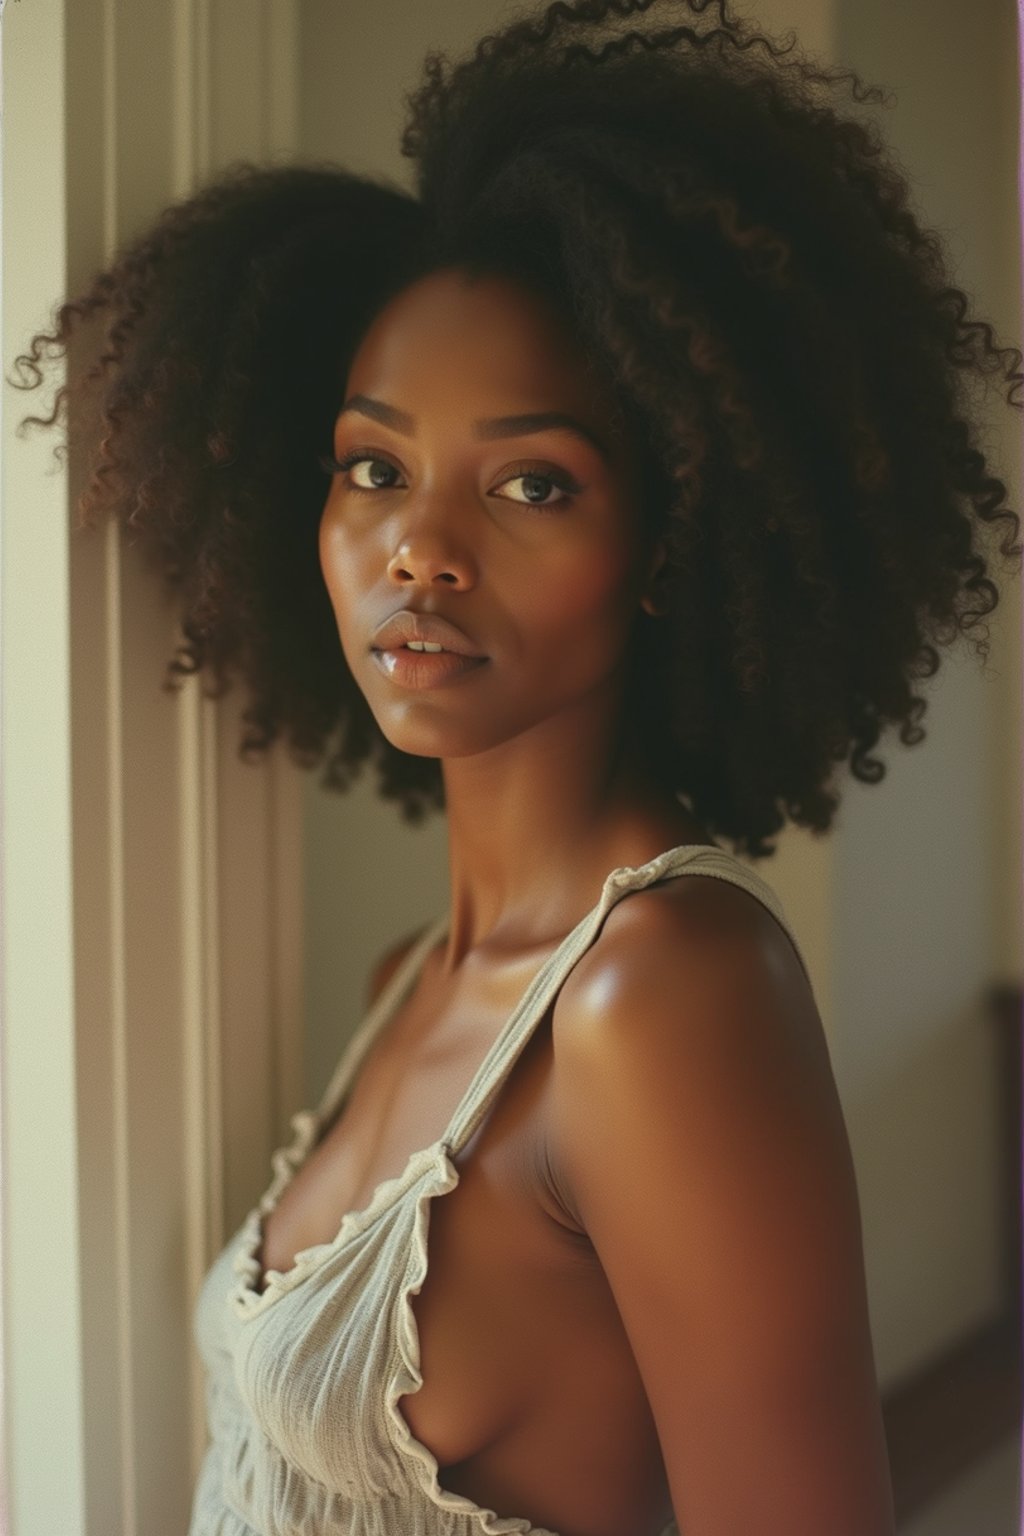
<point x="425" y="669"/>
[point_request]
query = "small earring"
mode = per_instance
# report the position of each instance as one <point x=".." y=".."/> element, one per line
<point x="649" y="606"/>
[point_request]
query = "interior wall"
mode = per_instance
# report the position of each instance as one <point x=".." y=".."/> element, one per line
<point x="927" y="895"/>
<point x="43" y="1335"/>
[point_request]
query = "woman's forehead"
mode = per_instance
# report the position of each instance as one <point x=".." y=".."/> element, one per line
<point x="488" y="337"/>
<point x="453" y="311"/>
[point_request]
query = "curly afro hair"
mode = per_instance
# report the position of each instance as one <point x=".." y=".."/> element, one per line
<point x="739" y="261"/>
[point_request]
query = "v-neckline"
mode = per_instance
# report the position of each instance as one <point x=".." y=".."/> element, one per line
<point x="312" y="1126"/>
<point x="309" y="1124"/>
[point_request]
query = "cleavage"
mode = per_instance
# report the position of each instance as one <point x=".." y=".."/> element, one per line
<point x="402" y="1099"/>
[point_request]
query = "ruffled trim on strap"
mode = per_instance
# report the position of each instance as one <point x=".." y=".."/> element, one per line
<point x="243" y="1296"/>
<point x="405" y="1377"/>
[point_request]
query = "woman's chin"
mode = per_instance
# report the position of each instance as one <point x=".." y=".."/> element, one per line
<point x="424" y="742"/>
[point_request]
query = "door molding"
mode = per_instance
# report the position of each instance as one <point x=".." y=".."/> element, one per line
<point x="152" y="880"/>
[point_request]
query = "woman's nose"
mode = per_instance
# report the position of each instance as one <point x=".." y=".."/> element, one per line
<point x="429" y="554"/>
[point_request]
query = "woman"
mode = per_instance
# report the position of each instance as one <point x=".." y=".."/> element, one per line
<point x="645" y="410"/>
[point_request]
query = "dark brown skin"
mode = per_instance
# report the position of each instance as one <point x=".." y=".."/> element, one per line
<point x="647" y="1291"/>
<point x="540" y="786"/>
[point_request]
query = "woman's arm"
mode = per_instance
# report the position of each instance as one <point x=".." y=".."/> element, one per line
<point x="696" y="1122"/>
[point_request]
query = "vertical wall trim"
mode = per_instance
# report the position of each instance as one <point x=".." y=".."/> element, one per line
<point x="203" y="1170"/>
<point x="214" y="1096"/>
<point x="121" y="1087"/>
<point x="286" y="842"/>
<point x="128" y="958"/>
<point x="121" y="1258"/>
<point x="201" y="1013"/>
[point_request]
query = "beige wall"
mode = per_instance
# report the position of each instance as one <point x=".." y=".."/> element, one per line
<point x="911" y="908"/>
<point x="927" y="908"/>
<point x="41" y="1295"/>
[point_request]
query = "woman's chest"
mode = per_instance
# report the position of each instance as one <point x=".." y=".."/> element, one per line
<point x="531" y="1402"/>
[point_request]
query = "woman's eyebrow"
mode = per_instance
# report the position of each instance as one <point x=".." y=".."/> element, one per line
<point x="486" y="429"/>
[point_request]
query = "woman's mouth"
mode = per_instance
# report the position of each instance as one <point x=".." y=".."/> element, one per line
<point x="425" y="669"/>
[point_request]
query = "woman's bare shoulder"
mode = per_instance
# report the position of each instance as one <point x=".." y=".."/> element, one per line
<point x="677" y="931"/>
<point x="697" y="1134"/>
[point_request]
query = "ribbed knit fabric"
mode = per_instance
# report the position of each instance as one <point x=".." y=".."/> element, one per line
<point x="303" y="1379"/>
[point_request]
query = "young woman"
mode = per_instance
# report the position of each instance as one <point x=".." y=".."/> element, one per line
<point x="645" y="410"/>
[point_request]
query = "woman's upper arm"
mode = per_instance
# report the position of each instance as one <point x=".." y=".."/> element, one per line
<point x="695" y="1120"/>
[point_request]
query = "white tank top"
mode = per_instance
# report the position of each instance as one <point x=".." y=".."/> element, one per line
<point x="303" y="1378"/>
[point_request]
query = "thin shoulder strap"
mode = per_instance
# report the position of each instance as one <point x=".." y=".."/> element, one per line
<point x="399" y="984"/>
<point x="722" y="865"/>
<point x="689" y="858"/>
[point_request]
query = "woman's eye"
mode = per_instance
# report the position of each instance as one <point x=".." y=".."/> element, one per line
<point x="372" y="480"/>
<point x="335" y="466"/>
<point x="532" y="478"/>
<point x="536" y="481"/>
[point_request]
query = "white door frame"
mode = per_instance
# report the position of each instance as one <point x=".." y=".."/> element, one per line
<point x="151" y="960"/>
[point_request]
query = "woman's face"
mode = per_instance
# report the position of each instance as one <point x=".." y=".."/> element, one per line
<point x="528" y="539"/>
